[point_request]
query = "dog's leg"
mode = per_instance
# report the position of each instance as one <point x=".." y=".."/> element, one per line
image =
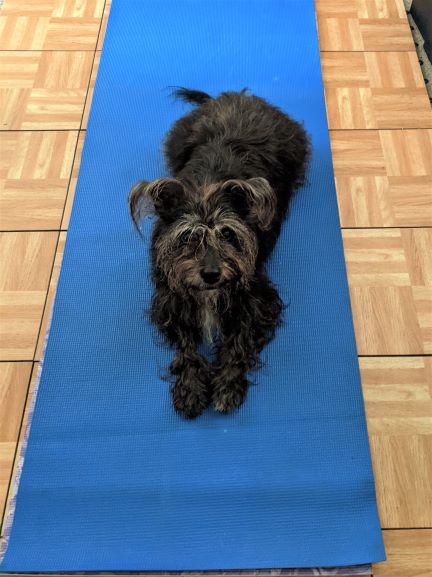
<point x="191" y="390"/>
<point x="249" y="328"/>
<point x="234" y="359"/>
<point x="176" y="318"/>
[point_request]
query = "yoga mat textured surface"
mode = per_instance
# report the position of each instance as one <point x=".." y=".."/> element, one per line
<point x="113" y="478"/>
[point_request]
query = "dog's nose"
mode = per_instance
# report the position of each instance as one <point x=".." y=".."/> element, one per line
<point x="210" y="275"/>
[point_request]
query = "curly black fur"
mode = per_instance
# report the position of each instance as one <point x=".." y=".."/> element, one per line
<point x="235" y="161"/>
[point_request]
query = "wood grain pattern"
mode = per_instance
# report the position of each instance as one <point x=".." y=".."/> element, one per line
<point x="50" y="298"/>
<point x="90" y="91"/>
<point x="409" y="554"/>
<point x="385" y="269"/>
<point x="380" y="8"/>
<point x="407" y="152"/>
<point x="48" y="92"/>
<point x="398" y="398"/>
<point x="357" y="153"/>
<point x="73" y="181"/>
<point x="103" y="25"/>
<point x="363" y="25"/>
<point x="364" y="91"/>
<point x="34" y="178"/>
<point x="14" y="380"/>
<point x="20" y="430"/>
<point x="356" y="34"/>
<point x="50" y="25"/>
<point x="383" y="178"/>
<point x="26" y="262"/>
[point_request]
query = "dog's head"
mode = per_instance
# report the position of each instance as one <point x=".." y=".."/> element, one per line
<point x="208" y="238"/>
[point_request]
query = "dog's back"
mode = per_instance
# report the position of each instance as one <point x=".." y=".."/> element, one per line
<point x="237" y="135"/>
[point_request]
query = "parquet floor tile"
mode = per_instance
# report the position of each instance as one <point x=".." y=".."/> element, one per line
<point x="409" y="554"/>
<point x="50" y="24"/>
<point x="383" y="178"/>
<point x="50" y="298"/>
<point x="90" y="92"/>
<point x="364" y="90"/>
<point x="73" y="181"/>
<point x="25" y="261"/>
<point x="398" y="397"/>
<point x="390" y="278"/>
<point x="14" y="380"/>
<point x="43" y="90"/>
<point x="34" y="178"/>
<point x="103" y="25"/>
<point x="363" y="25"/>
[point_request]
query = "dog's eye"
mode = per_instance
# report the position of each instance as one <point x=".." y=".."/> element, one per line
<point x="228" y="234"/>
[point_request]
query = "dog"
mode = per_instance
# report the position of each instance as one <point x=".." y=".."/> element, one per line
<point x="235" y="162"/>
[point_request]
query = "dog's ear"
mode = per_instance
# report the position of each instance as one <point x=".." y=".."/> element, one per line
<point x="163" y="196"/>
<point x="254" y="199"/>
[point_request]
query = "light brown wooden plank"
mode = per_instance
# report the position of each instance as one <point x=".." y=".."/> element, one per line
<point x="20" y="432"/>
<point x="337" y="8"/>
<point x="73" y="181"/>
<point x="50" y="299"/>
<point x="383" y="178"/>
<point x="91" y="90"/>
<point x="48" y="91"/>
<point x="14" y="380"/>
<point x="336" y="33"/>
<point x="357" y="153"/>
<point x="103" y="25"/>
<point x="411" y="200"/>
<point x="50" y="25"/>
<point x="25" y="260"/>
<point x="376" y="25"/>
<point x="362" y="107"/>
<point x="396" y="108"/>
<point x="386" y="35"/>
<point x="78" y="9"/>
<point x="409" y="554"/>
<point x="354" y="34"/>
<point x="34" y="7"/>
<point x="385" y="320"/>
<point x="34" y="178"/>
<point x="398" y="398"/>
<point x="407" y="152"/>
<point x="375" y="90"/>
<point x="374" y="201"/>
<point x="345" y="70"/>
<point x="423" y="305"/>
<point x="393" y="70"/>
<point x="380" y="9"/>
<point x="389" y="274"/>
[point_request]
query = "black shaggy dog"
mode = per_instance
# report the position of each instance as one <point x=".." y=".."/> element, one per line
<point x="235" y="162"/>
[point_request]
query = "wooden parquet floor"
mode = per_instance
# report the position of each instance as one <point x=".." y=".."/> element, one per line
<point x="380" y="124"/>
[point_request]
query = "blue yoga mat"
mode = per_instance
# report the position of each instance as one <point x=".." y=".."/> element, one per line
<point x="115" y="480"/>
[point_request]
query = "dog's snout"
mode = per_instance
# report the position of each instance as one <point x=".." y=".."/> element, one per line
<point x="210" y="275"/>
<point x="210" y="272"/>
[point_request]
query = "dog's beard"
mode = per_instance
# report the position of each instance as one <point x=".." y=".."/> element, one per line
<point x="184" y="276"/>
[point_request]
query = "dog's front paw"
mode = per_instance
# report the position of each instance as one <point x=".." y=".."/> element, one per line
<point x="190" y="399"/>
<point x="228" y="394"/>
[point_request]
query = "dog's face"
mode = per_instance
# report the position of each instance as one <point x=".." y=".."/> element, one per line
<point x="205" y="239"/>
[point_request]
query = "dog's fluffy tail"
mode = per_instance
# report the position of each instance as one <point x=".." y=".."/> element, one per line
<point x="192" y="96"/>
